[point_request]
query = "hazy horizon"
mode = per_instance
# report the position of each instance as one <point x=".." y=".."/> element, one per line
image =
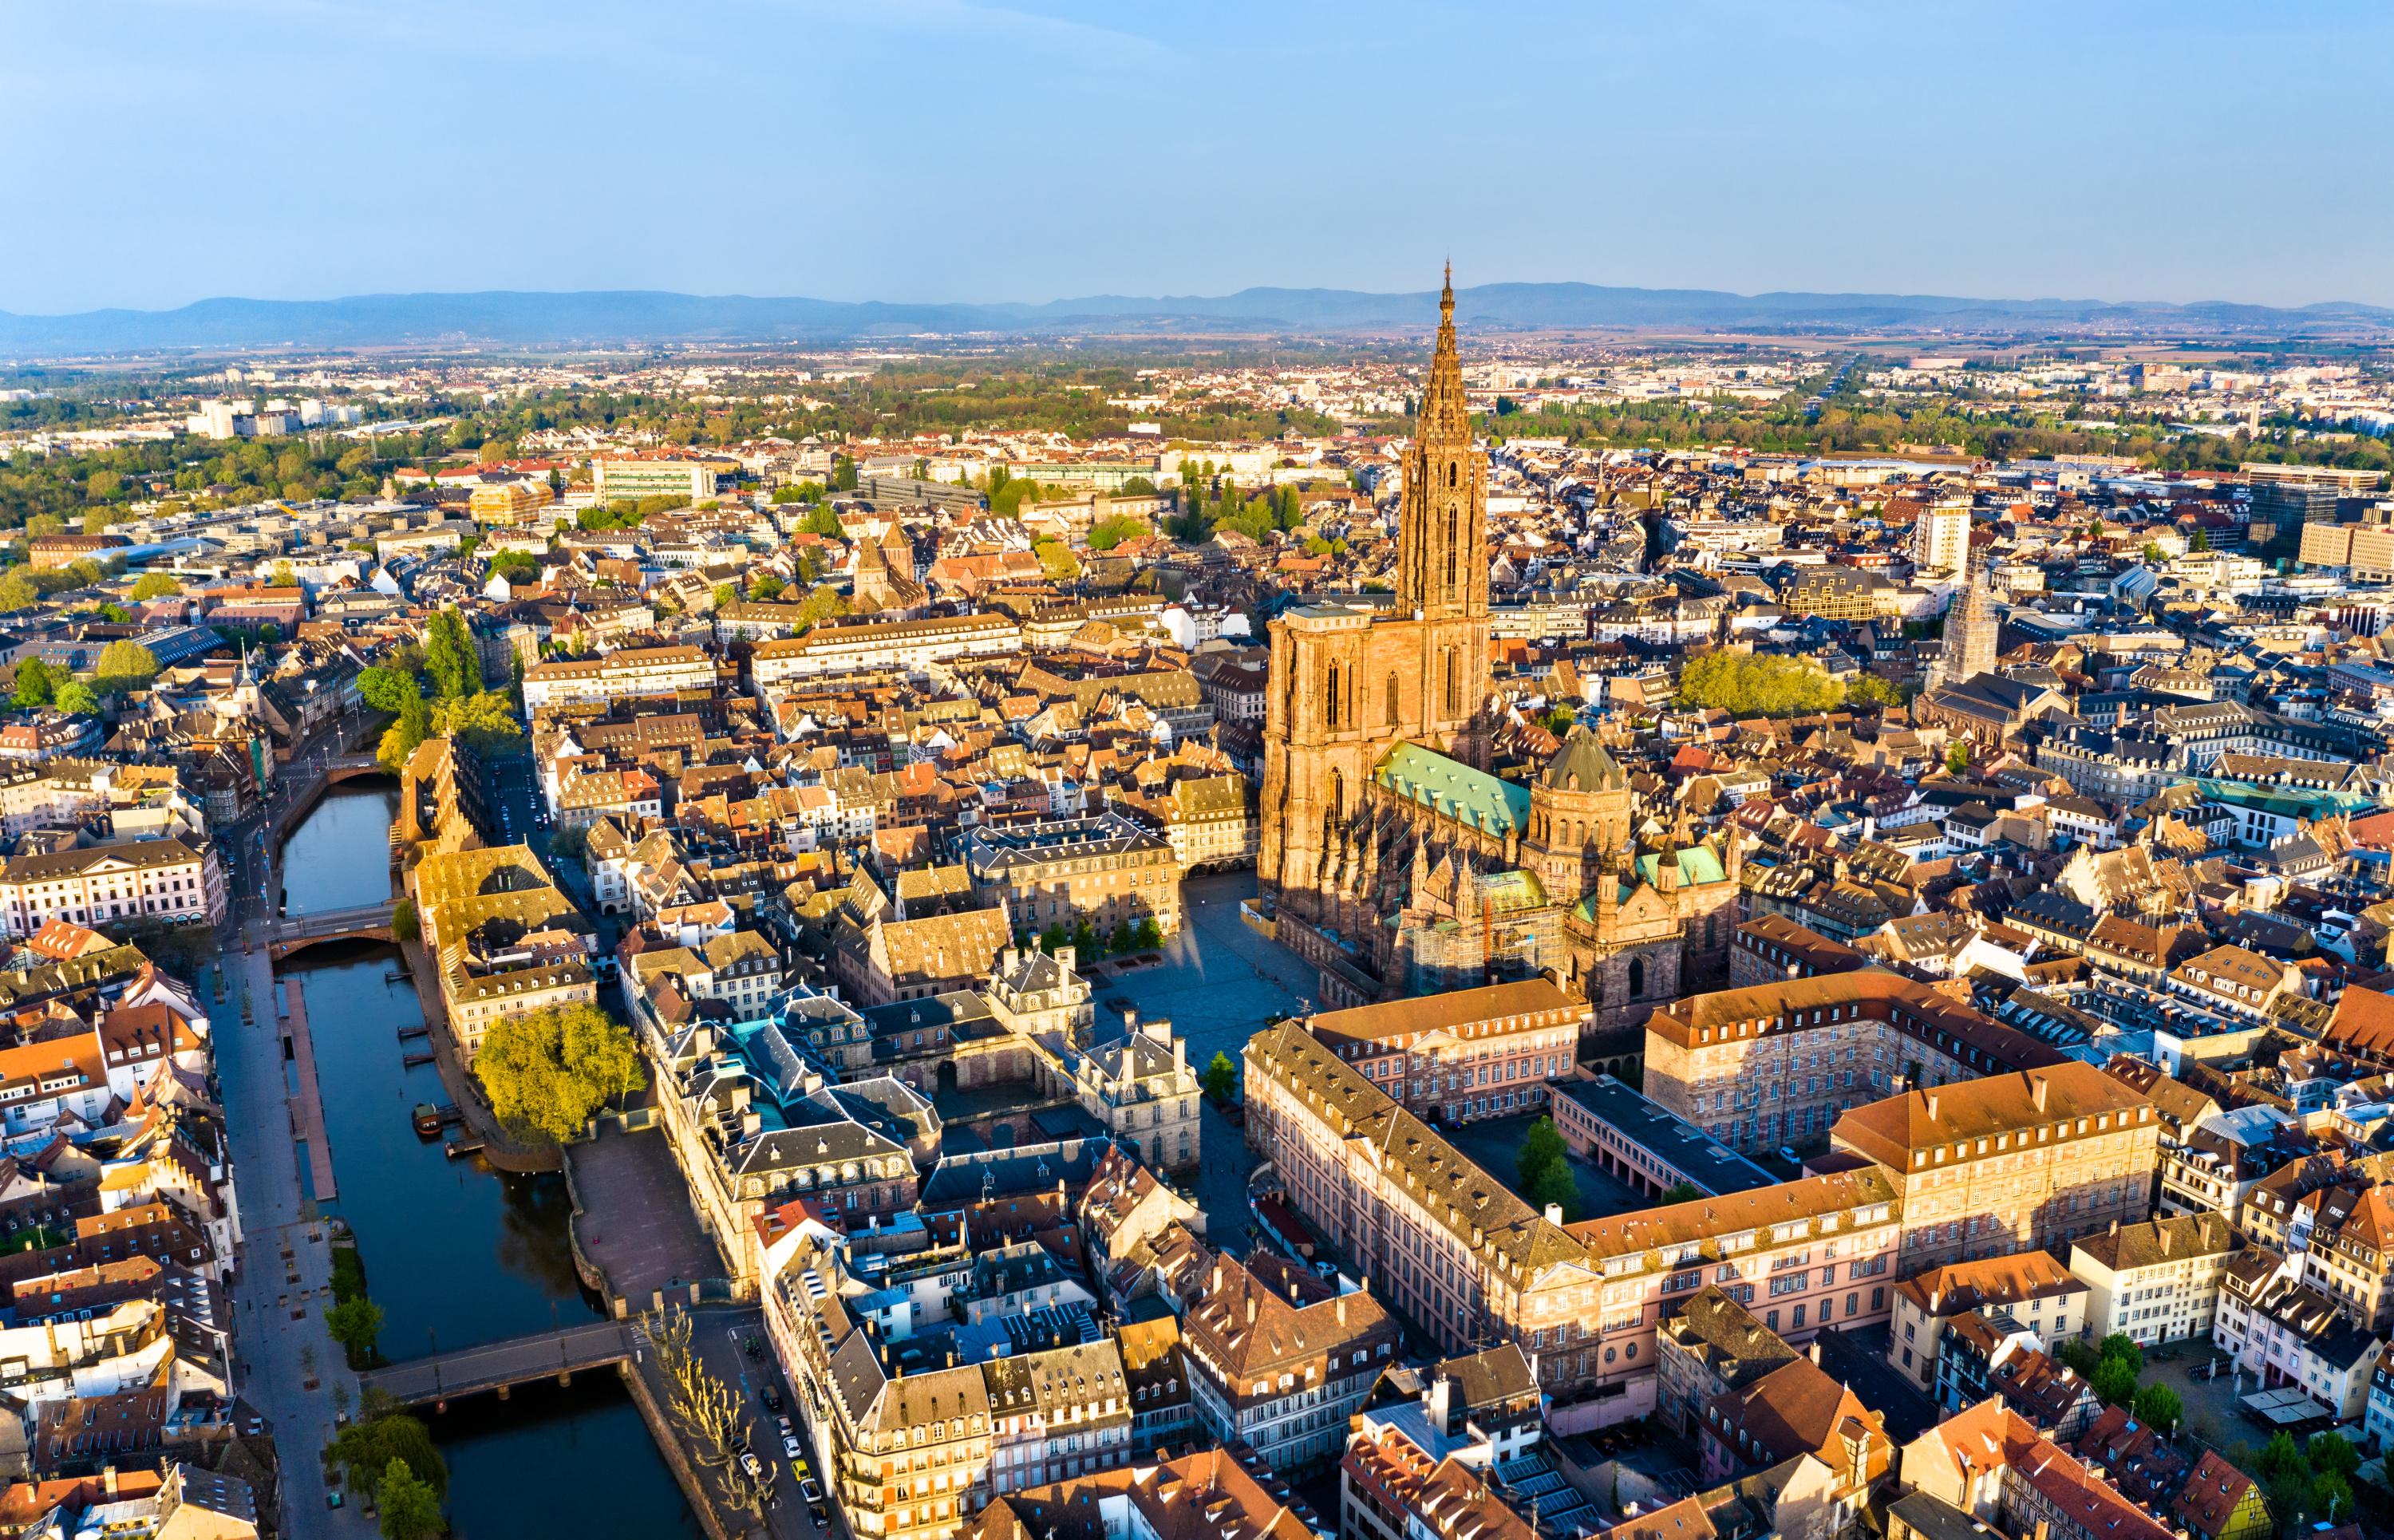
<point x="942" y="152"/>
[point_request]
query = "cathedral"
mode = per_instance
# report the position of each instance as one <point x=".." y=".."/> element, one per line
<point x="1394" y="855"/>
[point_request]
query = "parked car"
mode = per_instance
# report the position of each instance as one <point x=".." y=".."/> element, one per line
<point x="749" y="1463"/>
<point x="812" y="1493"/>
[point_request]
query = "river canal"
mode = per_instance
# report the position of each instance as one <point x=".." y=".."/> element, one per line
<point x="455" y="1254"/>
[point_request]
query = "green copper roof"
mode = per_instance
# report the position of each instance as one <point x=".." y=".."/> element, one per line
<point x="1698" y="864"/>
<point x="2285" y="801"/>
<point x="1455" y="789"/>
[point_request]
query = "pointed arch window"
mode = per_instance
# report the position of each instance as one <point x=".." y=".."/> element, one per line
<point x="1450" y="544"/>
<point x="1452" y="473"/>
<point x="1330" y="698"/>
<point x="1395" y="713"/>
<point x="1453" y="684"/>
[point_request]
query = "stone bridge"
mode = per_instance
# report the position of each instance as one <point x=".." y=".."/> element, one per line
<point x="442" y="1377"/>
<point x="369" y="922"/>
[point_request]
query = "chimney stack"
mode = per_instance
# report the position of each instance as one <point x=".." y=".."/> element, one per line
<point x="1932" y="1106"/>
<point x="2039" y="1082"/>
<point x="1554" y="1214"/>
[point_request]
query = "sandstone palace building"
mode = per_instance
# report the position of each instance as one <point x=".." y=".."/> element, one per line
<point x="1397" y="854"/>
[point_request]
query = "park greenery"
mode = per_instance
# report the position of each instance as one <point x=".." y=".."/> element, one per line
<point x="461" y="709"/>
<point x="548" y="1072"/>
<point x="2306" y="1483"/>
<point x="1759" y="684"/>
<point x="1542" y="1166"/>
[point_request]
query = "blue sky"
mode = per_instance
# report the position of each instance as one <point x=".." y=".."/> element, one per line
<point x="165" y="150"/>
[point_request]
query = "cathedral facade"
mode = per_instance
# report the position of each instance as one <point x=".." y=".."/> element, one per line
<point x="1392" y="856"/>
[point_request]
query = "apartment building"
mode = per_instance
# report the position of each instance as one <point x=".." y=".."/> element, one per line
<point x="1457" y="1251"/>
<point x="630" y="478"/>
<point x="2031" y="1286"/>
<point x="507" y="941"/>
<point x="2034" y="1158"/>
<point x="1989" y="1465"/>
<point x="1469" y="1054"/>
<point x="1103" y="870"/>
<point x="622" y="674"/>
<point x="1281" y="1376"/>
<point x="2158" y="1281"/>
<point x="1783" y="1062"/>
<point x="2350" y="1256"/>
<point x="161" y="881"/>
<point x="900" y="646"/>
<point x="2288" y="1334"/>
<point x="1711" y="1346"/>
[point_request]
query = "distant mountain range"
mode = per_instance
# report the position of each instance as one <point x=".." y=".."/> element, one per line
<point x="506" y="319"/>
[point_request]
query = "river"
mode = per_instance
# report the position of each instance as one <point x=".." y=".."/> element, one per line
<point x="455" y="1254"/>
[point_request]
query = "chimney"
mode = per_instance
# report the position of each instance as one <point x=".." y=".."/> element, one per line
<point x="2165" y="1238"/>
<point x="2038" y="1081"/>
<point x="1932" y="1106"/>
<point x="1554" y="1214"/>
<point x="1342" y="1309"/>
<point x="2115" y="1227"/>
<point x="1251" y="1310"/>
<point x="108" y="1480"/>
<point x="1439" y="1390"/>
<point x="1812" y="1350"/>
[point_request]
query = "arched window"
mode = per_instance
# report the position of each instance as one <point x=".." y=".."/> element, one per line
<point x="1637" y="977"/>
<point x="1450" y="471"/>
<point x="1449" y="545"/>
<point x="1454" y="685"/>
<point x="1337" y="794"/>
<point x="1395" y="701"/>
<point x="1329" y="700"/>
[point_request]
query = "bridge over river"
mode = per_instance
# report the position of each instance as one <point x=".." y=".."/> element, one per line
<point x="559" y="1354"/>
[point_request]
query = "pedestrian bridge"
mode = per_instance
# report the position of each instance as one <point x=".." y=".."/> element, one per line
<point x="369" y="922"/>
<point x="439" y="1378"/>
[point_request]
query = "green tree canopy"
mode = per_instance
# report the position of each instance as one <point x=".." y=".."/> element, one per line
<point x="1759" y="684"/>
<point x="154" y="586"/>
<point x="385" y="1432"/>
<point x="123" y="665"/>
<point x="550" y="1072"/>
<point x="388" y="688"/>
<point x="1543" y="1163"/>
<point x="410" y="1508"/>
<point x="485" y="722"/>
<point x="823" y="602"/>
<point x="36" y="683"/>
<point x="77" y="699"/>
<point x="2160" y="1407"/>
<point x="354" y="1324"/>
<point x="1222" y="1078"/>
<point x="2114" y="1382"/>
<point x="2120" y="1344"/>
<point x="451" y="659"/>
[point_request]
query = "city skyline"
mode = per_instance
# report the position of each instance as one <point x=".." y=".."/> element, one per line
<point x="1711" y="148"/>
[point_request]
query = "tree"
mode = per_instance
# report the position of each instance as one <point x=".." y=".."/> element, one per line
<point x="154" y="586"/>
<point x="403" y="736"/>
<point x="404" y="923"/>
<point x="1680" y="1193"/>
<point x="2079" y="1356"/>
<point x="2201" y="542"/>
<point x="44" y="523"/>
<point x="765" y="587"/>
<point x="281" y="576"/>
<point x="388" y="688"/>
<point x="1147" y="935"/>
<point x="2332" y="1453"/>
<point x="1759" y="684"/>
<point x="1870" y="688"/>
<point x="354" y="1324"/>
<point x="2114" y="1382"/>
<point x="36" y="684"/>
<point x="1957" y="759"/>
<point x="77" y="699"/>
<point x="449" y="657"/>
<point x="123" y="665"/>
<point x="1222" y="1078"/>
<point x="2160" y="1405"/>
<point x="1543" y="1167"/>
<point x="385" y="1432"/>
<point x="409" y="1509"/>
<point x="2280" y="1456"/>
<point x="18" y="591"/>
<point x="2120" y="1344"/>
<point x="485" y="722"/>
<point x="549" y="1071"/>
<point x="823" y="602"/>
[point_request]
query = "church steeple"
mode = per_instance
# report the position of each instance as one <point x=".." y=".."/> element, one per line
<point x="1442" y="527"/>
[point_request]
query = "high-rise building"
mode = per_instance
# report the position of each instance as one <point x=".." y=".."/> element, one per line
<point x="1940" y="541"/>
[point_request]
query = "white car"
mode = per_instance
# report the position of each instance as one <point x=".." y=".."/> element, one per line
<point x="790" y="1446"/>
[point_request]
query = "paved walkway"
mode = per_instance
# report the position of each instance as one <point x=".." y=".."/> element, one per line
<point x="307" y="1097"/>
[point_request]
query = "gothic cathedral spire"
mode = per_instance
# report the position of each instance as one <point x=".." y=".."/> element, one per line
<point x="1442" y="519"/>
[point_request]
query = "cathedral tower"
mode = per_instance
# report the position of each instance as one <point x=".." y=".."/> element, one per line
<point x="1348" y="685"/>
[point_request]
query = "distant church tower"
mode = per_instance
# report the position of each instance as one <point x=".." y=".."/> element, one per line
<point x="1969" y="629"/>
<point x="1346" y="686"/>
